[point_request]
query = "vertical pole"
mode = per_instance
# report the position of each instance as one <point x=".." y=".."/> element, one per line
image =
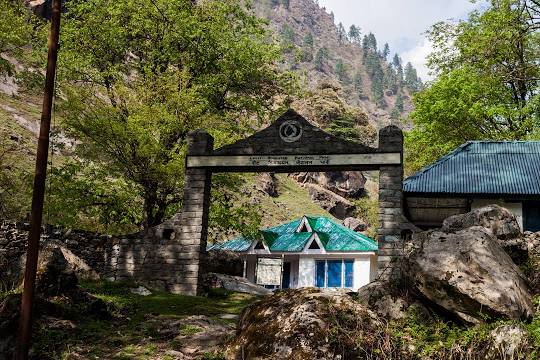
<point x="25" y="321"/>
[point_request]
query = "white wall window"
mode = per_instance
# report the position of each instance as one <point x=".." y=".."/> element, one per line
<point x="336" y="273"/>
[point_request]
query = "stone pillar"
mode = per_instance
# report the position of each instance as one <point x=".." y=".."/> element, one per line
<point x="390" y="205"/>
<point x="192" y="224"/>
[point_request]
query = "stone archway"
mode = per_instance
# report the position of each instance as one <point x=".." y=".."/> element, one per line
<point x="290" y="144"/>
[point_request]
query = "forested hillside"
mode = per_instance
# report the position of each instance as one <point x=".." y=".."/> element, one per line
<point x="317" y="49"/>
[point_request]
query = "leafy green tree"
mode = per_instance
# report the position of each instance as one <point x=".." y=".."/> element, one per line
<point x="341" y="71"/>
<point x="286" y="3"/>
<point x="397" y="64"/>
<point x="398" y="107"/>
<point x="354" y="34"/>
<point x="358" y="84"/>
<point x="411" y="78"/>
<point x="487" y="84"/>
<point x="138" y="76"/>
<point x="307" y="47"/>
<point x="321" y="58"/>
<point x="287" y="38"/>
<point x="386" y="51"/>
<point x="342" y="34"/>
<point x="18" y="29"/>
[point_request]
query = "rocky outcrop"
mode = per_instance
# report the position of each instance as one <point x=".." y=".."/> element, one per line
<point x="498" y="221"/>
<point x="355" y="224"/>
<point x="344" y="183"/>
<point x="469" y="274"/>
<point x="494" y="218"/>
<point x="232" y="283"/>
<point x="267" y="183"/>
<point x="307" y="324"/>
<point x="336" y="205"/>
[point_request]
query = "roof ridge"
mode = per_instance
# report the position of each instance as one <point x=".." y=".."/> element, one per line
<point x="440" y="161"/>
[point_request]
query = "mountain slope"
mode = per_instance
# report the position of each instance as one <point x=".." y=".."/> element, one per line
<point x="305" y="30"/>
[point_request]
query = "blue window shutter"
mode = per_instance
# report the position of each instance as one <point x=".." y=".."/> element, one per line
<point x="349" y="273"/>
<point x="334" y="273"/>
<point x="319" y="266"/>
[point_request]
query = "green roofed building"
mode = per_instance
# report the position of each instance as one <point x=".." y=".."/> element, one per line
<point x="310" y="251"/>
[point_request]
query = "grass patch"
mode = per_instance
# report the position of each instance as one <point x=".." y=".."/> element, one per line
<point x="131" y="334"/>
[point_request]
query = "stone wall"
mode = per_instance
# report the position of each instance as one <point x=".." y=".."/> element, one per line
<point x="144" y="257"/>
<point x="394" y="227"/>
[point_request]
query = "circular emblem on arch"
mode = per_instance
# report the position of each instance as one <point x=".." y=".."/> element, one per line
<point x="290" y="131"/>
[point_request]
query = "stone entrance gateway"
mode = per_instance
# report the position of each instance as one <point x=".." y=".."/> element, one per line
<point x="290" y="144"/>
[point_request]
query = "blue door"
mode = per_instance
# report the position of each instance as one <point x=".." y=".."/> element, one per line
<point x="334" y="273"/>
<point x="286" y="278"/>
<point x="531" y="216"/>
<point x="320" y="272"/>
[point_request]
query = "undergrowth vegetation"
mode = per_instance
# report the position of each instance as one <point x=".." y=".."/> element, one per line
<point x="134" y="331"/>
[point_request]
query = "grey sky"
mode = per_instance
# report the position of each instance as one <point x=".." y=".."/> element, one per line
<point x="400" y="23"/>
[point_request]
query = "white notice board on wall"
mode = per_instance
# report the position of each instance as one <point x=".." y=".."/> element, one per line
<point x="269" y="271"/>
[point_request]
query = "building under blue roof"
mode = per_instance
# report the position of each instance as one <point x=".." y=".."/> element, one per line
<point x="475" y="174"/>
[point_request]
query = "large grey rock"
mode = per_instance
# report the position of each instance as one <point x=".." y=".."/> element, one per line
<point x="494" y="218"/>
<point x="469" y="274"/>
<point x="344" y="183"/>
<point x="307" y="324"/>
<point x="500" y="222"/>
<point x="355" y="224"/>
<point x="267" y="183"/>
<point x="335" y="204"/>
<point x="232" y="283"/>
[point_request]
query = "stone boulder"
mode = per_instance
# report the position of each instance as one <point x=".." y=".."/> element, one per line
<point x="497" y="220"/>
<point x="469" y="274"/>
<point x="508" y="342"/>
<point x="355" y="224"/>
<point x="494" y="218"/>
<point x="344" y="183"/>
<point x="267" y="183"/>
<point x="232" y="283"/>
<point x="54" y="274"/>
<point x="336" y="205"/>
<point x="58" y="270"/>
<point x="307" y="324"/>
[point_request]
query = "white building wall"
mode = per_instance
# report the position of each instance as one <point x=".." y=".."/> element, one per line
<point x="294" y="272"/>
<point x="514" y="207"/>
<point x="306" y="271"/>
<point x="362" y="271"/>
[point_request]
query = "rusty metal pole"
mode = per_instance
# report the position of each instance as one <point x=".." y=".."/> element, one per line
<point x="25" y="320"/>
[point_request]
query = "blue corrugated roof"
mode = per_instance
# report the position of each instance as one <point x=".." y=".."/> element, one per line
<point x="285" y="238"/>
<point x="482" y="167"/>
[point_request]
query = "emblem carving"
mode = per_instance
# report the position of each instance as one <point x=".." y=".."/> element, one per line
<point x="290" y="131"/>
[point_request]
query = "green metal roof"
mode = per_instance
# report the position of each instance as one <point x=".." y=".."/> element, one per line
<point x="287" y="238"/>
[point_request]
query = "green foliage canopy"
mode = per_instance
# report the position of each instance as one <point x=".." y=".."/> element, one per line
<point x="487" y="85"/>
<point x="138" y="76"/>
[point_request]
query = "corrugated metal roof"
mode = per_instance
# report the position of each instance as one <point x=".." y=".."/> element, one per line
<point x="239" y="244"/>
<point x="285" y="238"/>
<point x="294" y="242"/>
<point x="482" y="167"/>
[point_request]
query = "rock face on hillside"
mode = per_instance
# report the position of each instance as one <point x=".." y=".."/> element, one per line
<point x="335" y="204"/>
<point x="348" y="184"/>
<point x="464" y="269"/>
<point x="306" y="324"/>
